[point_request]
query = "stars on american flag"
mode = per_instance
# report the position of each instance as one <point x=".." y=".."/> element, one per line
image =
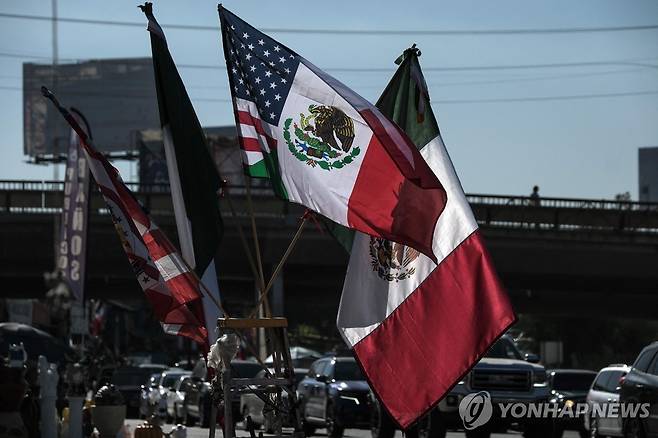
<point x="261" y="69"/>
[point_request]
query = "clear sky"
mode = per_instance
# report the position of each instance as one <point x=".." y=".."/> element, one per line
<point x="502" y="139"/>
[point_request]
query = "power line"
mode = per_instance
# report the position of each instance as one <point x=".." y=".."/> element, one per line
<point x="129" y="87"/>
<point x="511" y="99"/>
<point x="351" y="31"/>
<point x="623" y="62"/>
<point x="31" y="56"/>
<point x="439" y="101"/>
<point x="546" y="98"/>
<point x="629" y="62"/>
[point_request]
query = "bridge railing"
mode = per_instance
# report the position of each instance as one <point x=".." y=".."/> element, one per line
<point x="574" y="203"/>
<point x="563" y="214"/>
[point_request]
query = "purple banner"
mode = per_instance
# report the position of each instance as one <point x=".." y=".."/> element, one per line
<point x="73" y="240"/>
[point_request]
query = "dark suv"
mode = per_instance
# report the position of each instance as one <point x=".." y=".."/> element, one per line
<point x="334" y="394"/>
<point x="641" y="386"/>
<point x="505" y="373"/>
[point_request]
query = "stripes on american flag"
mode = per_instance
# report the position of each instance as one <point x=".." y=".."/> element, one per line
<point x="170" y="287"/>
<point x="254" y="134"/>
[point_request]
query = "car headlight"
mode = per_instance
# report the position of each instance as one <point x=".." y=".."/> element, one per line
<point x="539" y="378"/>
<point x="569" y="404"/>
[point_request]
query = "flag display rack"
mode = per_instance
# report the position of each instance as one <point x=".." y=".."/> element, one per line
<point x="269" y="389"/>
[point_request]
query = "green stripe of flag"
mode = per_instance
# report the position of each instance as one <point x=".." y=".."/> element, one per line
<point x="268" y="168"/>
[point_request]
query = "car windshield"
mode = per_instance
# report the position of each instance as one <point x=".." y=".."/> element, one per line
<point x="170" y="380"/>
<point x="129" y="378"/>
<point x="573" y="381"/>
<point x="151" y="370"/>
<point x="504" y="349"/>
<point x="347" y="371"/>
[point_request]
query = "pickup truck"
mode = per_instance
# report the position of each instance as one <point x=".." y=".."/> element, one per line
<point x="505" y="373"/>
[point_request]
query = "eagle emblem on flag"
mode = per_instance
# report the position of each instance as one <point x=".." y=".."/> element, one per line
<point x="392" y="261"/>
<point x="322" y="138"/>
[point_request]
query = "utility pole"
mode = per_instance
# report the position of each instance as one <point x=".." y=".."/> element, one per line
<point x="55" y="61"/>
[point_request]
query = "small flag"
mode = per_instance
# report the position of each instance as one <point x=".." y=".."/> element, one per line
<point x="416" y="327"/>
<point x="170" y="287"/>
<point x="324" y="146"/>
<point x="193" y="177"/>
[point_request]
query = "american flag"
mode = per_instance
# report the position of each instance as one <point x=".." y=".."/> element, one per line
<point x="171" y="288"/>
<point x="261" y="71"/>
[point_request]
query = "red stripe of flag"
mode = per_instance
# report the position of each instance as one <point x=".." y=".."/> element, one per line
<point x="162" y="304"/>
<point x="246" y="118"/>
<point x="184" y="287"/>
<point x="250" y="144"/>
<point x="158" y="244"/>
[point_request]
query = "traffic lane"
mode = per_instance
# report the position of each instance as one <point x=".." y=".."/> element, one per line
<point x="199" y="432"/>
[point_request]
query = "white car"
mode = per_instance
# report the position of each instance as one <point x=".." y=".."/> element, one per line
<point x="252" y="405"/>
<point x="158" y="396"/>
<point x="176" y="399"/>
<point x="605" y="390"/>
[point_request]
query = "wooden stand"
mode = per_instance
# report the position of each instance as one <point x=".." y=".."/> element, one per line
<point x="269" y="389"/>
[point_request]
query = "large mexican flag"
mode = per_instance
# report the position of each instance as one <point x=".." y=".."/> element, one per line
<point x="416" y="327"/>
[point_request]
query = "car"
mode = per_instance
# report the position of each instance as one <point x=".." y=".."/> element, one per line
<point x="334" y="395"/>
<point x="197" y="397"/>
<point x="508" y="375"/>
<point x="176" y="399"/>
<point x="605" y="391"/>
<point x="640" y="385"/>
<point x="251" y="405"/>
<point x="569" y="388"/>
<point x="166" y="386"/>
<point x="129" y="381"/>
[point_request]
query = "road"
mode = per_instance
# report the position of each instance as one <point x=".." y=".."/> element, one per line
<point x="198" y="432"/>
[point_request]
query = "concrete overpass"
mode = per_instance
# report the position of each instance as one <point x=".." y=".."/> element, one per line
<point x="561" y="257"/>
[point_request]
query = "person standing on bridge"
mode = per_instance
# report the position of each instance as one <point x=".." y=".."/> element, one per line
<point x="534" y="197"/>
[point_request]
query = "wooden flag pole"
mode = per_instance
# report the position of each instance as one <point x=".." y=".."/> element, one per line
<point x="243" y="239"/>
<point x="205" y="289"/>
<point x="284" y="258"/>
<point x="254" y="232"/>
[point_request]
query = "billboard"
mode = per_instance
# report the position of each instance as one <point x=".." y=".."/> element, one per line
<point x="648" y="173"/>
<point x="224" y="150"/>
<point x="117" y="96"/>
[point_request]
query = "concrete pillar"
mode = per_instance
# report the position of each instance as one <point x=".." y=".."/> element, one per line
<point x="75" y="416"/>
<point x="48" y="378"/>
